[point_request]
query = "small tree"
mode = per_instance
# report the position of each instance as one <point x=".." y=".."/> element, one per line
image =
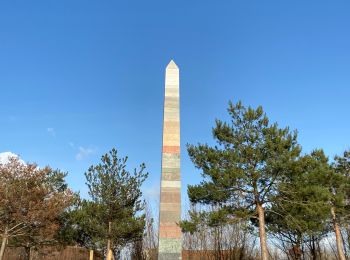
<point x="31" y="200"/>
<point x="241" y="173"/>
<point x="150" y="237"/>
<point x="114" y="214"/>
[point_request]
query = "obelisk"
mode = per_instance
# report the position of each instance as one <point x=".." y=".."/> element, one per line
<point x="170" y="244"/>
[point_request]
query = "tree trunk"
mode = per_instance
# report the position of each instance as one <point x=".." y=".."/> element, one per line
<point x="338" y="238"/>
<point x="30" y="253"/>
<point x="109" y="251"/>
<point x="91" y="254"/>
<point x="346" y="242"/>
<point x="109" y="246"/>
<point x="313" y="248"/>
<point x="296" y="252"/>
<point x="3" y="244"/>
<point x="262" y="235"/>
<point x="2" y="249"/>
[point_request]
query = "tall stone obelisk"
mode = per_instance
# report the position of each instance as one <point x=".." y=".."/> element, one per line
<point x="170" y="243"/>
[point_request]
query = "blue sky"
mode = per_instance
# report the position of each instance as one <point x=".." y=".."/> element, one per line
<point x="80" y="77"/>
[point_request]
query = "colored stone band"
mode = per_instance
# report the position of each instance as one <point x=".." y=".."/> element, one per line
<point x="169" y="245"/>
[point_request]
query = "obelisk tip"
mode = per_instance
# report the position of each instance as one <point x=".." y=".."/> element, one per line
<point x="172" y="65"/>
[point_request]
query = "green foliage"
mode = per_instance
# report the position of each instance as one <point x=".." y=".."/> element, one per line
<point x="244" y="168"/>
<point x="341" y="186"/>
<point x="255" y="169"/>
<point x="56" y="180"/>
<point x="301" y="210"/>
<point x="116" y="198"/>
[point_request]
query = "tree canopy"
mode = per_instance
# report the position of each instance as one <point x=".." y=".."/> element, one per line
<point x="31" y="201"/>
<point x="242" y="171"/>
<point x="113" y="217"/>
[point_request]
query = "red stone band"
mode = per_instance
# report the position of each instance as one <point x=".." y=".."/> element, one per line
<point x="171" y="149"/>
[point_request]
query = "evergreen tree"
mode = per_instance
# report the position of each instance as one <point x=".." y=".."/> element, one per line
<point x="113" y="216"/>
<point x="242" y="171"/>
<point x="300" y="212"/>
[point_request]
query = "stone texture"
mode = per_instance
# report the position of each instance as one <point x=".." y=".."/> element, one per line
<point x="170" y="243"/>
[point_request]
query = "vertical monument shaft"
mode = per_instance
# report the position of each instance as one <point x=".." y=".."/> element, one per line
<point x="170" y="247"/>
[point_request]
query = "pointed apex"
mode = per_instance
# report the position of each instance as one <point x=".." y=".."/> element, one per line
<point x="172" y="65"/>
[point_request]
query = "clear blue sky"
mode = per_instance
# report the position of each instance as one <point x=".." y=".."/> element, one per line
<point x="80" y="77"/>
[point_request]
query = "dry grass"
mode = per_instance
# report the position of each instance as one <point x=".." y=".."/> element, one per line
<point x="50" y="253"/>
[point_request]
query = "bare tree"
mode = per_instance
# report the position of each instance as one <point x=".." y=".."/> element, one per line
<point x="227" y="241"/>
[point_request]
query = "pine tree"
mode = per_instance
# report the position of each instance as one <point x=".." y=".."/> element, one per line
<point x="113" y="217"/>
<point x="300" y="211"/>
<point x="242" y="171"/>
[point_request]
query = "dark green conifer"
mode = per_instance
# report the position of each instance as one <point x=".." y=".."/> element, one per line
<point x="242" y="171"/>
